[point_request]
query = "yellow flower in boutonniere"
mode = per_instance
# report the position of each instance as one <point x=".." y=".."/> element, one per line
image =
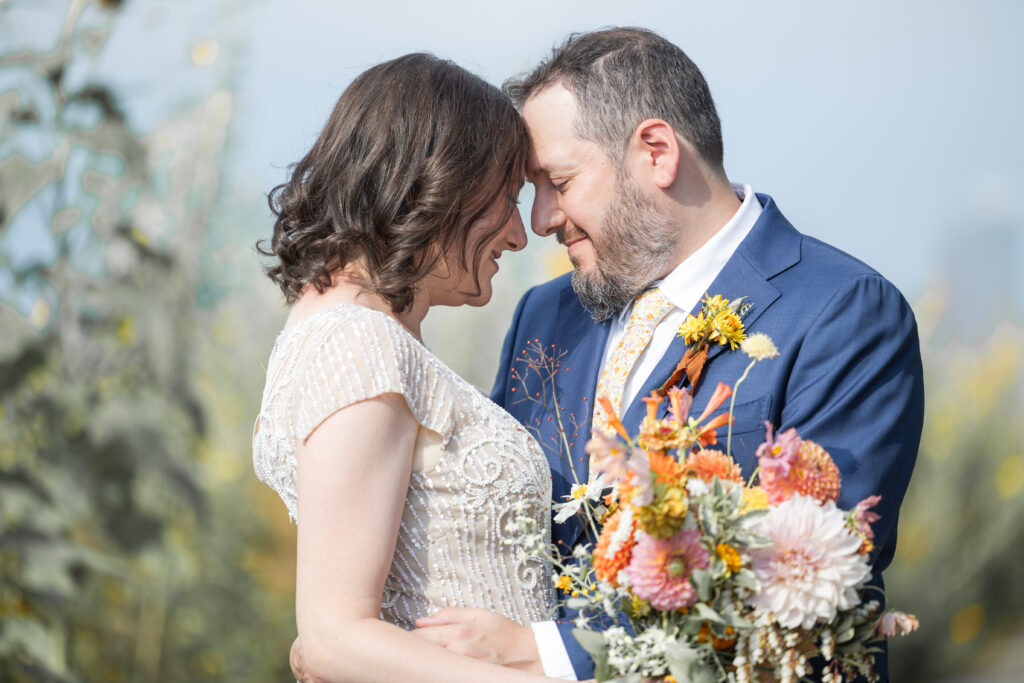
<point x="717" y="322"/>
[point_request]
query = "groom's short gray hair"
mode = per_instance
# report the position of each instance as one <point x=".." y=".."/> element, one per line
<point x="621" y="76"/>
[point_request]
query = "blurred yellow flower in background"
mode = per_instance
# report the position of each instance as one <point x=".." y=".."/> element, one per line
<point x="205" y="52"/>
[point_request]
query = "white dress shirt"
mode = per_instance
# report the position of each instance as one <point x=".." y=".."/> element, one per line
<point x="683" y="287"/>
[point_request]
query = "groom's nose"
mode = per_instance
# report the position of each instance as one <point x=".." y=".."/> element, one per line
<point x="546" y="218"/>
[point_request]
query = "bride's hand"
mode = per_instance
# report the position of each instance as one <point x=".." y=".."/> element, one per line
<point x="482" y="635"/>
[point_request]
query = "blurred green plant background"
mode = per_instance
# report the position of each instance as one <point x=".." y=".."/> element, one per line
<point x="135" y="542"/>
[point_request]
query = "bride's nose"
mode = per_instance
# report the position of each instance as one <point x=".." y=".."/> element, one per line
<point x="514" y="233"/>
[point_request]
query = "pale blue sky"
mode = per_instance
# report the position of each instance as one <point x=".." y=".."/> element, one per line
<point x="890" y="129"/>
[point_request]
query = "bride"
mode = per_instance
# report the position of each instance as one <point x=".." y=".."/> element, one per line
<point x="400" y="475"/>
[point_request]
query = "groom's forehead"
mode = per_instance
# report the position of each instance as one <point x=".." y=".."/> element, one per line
<point x="550" y="159"/>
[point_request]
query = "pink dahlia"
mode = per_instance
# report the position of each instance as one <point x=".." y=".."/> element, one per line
<point x="811" y="568"/>
<point x="659" y="570"/>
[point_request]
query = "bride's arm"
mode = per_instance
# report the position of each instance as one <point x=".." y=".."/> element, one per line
<point x="353" y="474"/>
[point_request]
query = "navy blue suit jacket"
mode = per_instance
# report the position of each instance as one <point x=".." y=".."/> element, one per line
<point x="848" y="375"/>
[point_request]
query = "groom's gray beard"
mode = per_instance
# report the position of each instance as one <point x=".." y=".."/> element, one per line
<point x="636" y="246"/>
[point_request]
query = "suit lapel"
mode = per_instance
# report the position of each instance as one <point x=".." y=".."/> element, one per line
<point x="771" y="247"/>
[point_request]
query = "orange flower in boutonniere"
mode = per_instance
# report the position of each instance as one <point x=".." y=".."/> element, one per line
<point x="719" y="321"/>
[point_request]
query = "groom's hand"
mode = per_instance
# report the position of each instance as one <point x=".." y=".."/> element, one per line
<point x="482" y="635"/>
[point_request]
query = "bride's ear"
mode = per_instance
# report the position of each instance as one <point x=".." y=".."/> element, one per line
<point x="655" y="149"/>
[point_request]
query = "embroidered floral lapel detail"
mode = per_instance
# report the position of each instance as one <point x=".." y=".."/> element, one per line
<point x="719" y="321"/>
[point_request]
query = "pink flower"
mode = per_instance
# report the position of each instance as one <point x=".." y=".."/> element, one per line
<point x="891" y="623"/>
<point x="607" y="454"/>
<point x="863" y="517"/>
<point x="640" y="465"/>
<point x="659" y="571"/>
<point x="679" y="401"/>
<point x="776" y="455"/>
<point x="811" y="567"/>
<point x="790" y="466"/>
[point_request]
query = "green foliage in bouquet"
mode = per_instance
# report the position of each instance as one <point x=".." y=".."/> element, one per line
<point x="697" y="575"/>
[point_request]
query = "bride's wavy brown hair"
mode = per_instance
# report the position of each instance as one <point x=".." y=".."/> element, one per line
<point x="416" y="150"/>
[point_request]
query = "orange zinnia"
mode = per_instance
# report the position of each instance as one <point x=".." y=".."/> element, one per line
<point x="666" y="466"/>
<point x="708" y="464"/>
<point x="608" y="568"/>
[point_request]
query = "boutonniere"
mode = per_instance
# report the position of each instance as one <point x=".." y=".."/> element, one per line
<point x="719" y="321"/>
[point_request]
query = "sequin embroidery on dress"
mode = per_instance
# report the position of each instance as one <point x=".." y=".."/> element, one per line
<point x="452" y="547"/>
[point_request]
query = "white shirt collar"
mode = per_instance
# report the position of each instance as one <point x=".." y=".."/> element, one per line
<point x="701" y="267"/>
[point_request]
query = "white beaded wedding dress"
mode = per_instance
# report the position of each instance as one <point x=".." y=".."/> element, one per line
<point x="473" y="463"/>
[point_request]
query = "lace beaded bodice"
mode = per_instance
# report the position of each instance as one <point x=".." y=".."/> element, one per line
<point x="472" y="463"/>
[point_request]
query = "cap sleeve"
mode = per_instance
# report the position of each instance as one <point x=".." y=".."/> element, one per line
<point x="365" y="355"/>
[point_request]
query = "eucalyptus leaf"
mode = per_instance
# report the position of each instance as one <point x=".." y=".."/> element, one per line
<point x="692" y="623"/>
<point x="738" y="622"/>
<point x="686" y="664"/>
<point x="736" y="496"/>
<point x="711" y="525"/>
<point x="595" y="645"/>
<point x="593" y="642"/>
<point x="751" y="515"/>
<point x="865" y="630"/>
<point x="701" y="581"/>
<point x="745" y="579"/>
<point x="707" y="613"/>
<point x="577" y="603"/>
<point x="844" y="624"/>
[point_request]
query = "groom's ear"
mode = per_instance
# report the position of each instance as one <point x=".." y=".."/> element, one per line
<point x="656" y="149"/>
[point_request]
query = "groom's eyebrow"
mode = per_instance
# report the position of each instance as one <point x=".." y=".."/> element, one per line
<point x="532" y="174"/>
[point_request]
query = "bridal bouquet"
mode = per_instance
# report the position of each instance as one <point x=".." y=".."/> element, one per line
<point x="697" y="575"/>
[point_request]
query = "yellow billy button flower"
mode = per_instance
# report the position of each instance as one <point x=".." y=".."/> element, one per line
<point x="638" y="607"/>
<point x="730" y="556"/>
<point x="754" y="498"/>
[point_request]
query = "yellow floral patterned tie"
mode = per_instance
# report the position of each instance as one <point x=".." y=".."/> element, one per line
<point x="648" y="310"/>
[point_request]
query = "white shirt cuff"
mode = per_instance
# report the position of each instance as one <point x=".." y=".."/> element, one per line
<point x="553" y="656"/>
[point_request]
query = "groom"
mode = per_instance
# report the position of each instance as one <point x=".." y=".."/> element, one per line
<point x="627" y="168"/>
